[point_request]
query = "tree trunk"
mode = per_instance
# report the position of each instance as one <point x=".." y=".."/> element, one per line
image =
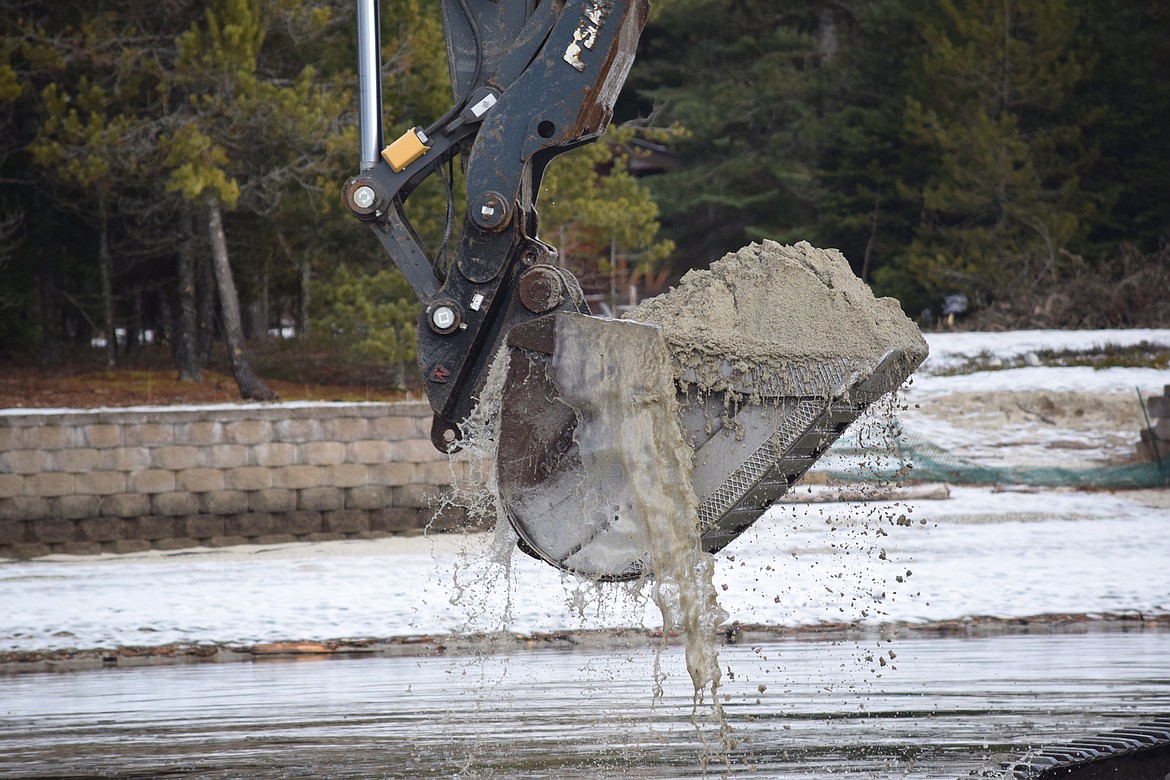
<point x="49" y="354"/>
<point x="106" y="264"/>
<point x="828" y="36"/>
<point x="186" y="340"/>
<point x="398" y="375"/>
<point x="205" y="308"/>
<point x="136" y="330"/>
<point x="305" y="279"/>
<point x="873" y="234"/>
<point x="252" y="388"/>
<point x="265" y="292"/>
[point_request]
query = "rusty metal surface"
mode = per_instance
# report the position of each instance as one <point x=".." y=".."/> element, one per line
<point x="536" y="429"/>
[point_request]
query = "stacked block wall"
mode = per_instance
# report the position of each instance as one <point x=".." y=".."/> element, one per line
<point x="129" y="480"/>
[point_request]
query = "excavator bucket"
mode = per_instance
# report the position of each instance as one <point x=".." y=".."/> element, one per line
<point x="594" y="447"/>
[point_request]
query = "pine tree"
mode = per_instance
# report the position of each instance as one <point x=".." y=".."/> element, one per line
<point x="737" y="85"/>
<point x="251" y="103"/>
<point x="375" y="314"/>
<point x="603" y="220"/>
<point x="991" y="111"/>
<point x="86" y="151"/>
<point x="1129" y="88"/>
<point x="243" y="139"/>
<point x="794" y="114"/>
<point x="860" y="98"/>
<point x="95" y="119"/>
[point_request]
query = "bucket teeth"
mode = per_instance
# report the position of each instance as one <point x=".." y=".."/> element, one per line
<point x="801" y="430"/>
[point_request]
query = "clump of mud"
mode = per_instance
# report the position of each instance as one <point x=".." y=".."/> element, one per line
<point x="776" y="315"/>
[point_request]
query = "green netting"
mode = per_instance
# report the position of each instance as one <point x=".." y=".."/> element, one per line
<point x="916" y="459"/>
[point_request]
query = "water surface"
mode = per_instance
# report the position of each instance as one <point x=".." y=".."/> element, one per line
<point x="939" y="708"/>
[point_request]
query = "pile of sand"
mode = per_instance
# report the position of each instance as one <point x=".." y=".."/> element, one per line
<point x="780" y="310"/>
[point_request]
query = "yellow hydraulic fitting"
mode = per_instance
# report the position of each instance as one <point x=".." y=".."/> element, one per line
<point x="411" y="146"/>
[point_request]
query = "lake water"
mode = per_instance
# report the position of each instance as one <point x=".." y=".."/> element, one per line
<point x="799" y="708"/>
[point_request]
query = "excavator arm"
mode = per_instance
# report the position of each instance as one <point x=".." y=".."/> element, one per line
<point x="532" y="80"/>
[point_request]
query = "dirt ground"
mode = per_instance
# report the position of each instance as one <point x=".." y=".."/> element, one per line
<point x="32" y="388"/>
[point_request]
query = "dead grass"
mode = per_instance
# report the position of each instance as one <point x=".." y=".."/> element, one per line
<point x="148" y="379"/>
<point x="1131" y="290"/>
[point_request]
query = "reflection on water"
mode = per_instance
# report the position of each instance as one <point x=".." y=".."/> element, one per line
<point x="937" y="708"/>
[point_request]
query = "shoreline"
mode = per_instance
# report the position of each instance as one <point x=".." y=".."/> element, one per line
<point x="424" y="645"/>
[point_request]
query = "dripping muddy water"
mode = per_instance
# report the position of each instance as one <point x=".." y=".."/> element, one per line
<point x="953" y="705"/>
<point x="631" y="507"/>
<point x="620" y="501"/>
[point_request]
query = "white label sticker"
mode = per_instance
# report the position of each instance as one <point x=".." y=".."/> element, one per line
<point x="585" y="36"/>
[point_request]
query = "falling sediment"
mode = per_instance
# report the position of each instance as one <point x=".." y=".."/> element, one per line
<point x="767" y="322"/>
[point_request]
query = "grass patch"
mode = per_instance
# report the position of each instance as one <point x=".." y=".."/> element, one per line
<point x="1144" y="354"/>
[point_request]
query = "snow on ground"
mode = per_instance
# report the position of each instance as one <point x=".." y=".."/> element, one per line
<point x="979" y="552"/>
<point x="1071" y="378"/>
<point x="951" y="350"/>
<point x="1057" y="416"/>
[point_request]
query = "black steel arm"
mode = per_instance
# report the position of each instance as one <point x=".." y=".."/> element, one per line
<point x="532" y="79"/>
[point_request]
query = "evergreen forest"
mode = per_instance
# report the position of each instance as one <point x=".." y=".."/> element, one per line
<point x="170" y="171"/>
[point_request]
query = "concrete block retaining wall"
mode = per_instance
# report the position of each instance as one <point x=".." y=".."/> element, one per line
<point x="130" y="480"/>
